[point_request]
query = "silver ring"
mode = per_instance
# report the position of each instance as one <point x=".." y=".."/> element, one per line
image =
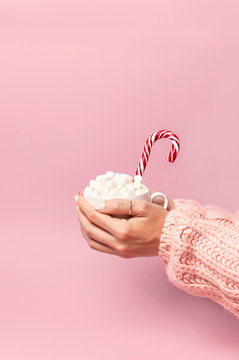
<point x="130" y="207"/>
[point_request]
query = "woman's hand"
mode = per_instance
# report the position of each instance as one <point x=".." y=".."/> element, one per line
<point x="138" y="236"/>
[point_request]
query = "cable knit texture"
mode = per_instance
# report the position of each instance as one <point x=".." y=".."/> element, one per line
<point x="200" y="247"/>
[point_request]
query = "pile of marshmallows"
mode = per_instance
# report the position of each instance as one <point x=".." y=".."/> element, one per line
<point x="115" y="184"/>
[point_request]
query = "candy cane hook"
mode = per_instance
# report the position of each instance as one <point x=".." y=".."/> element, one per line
<point x="148" y="146"/>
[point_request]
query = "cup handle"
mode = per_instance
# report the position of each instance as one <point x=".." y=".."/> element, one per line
<point x="152" y="196"/>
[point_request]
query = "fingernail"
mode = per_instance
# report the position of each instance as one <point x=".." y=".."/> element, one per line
<point x="99" y="206"/>
<point x="76" y="198"/>
<point x="77" y="207"/>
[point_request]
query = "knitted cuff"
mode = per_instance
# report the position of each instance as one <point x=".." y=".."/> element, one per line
<point x="174" y="220"/>
<point x="167" y="235"/>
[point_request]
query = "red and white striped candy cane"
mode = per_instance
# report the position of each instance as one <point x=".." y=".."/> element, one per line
<point x="149" y="143"/>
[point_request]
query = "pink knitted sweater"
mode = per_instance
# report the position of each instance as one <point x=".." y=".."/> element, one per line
<point x="200" y="247"/>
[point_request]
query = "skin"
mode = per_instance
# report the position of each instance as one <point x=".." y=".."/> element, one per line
<point x="138" y="236"/>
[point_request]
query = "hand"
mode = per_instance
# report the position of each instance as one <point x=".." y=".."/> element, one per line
<point x="138" y="236"/>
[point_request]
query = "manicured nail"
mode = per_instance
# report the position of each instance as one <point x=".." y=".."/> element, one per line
<point x="76" y="198"/>
<point x="77" y="207"/>
<point x="99" y="206"/>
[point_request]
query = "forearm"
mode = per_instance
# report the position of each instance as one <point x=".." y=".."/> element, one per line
<point x="200" y="247"/>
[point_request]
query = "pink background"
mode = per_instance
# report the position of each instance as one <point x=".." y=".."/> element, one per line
<point x="83" y="83"/>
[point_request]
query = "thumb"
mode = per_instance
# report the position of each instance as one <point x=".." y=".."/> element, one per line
<point x="159" y="200"/>
<point x="122" y="206"/>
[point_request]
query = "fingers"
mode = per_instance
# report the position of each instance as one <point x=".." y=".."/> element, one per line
<point x="112" y="225"/>
<point x="93" y="235"/>
<point x="95" y="245"/>
<point x="104" y="221"/>
<point x="122" y="206"/>
<point x="96" y="233"/>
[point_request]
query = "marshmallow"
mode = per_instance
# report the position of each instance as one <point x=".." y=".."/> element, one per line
<point x="115" y="184"/>
<point x="111" y="183"/>
<point x="92" y="184"/>
<point x="109" y="174"/>
<point x="113" y="192"/>
<point x="139" y="191"/>
<point x="98" y="179"/>
<point x="87" y="190"/>
<point x="123" y="179"/>
<point x="138" y="178"/>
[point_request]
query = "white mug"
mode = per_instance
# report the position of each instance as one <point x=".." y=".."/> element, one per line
<point x="144" y="196"/>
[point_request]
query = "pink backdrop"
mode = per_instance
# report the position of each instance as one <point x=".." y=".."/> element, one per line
<point x="83" y="83"/>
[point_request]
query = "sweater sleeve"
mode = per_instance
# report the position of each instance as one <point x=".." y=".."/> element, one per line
<point x="200" y="247"/>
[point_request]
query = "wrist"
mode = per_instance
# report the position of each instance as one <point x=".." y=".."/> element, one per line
<point x="162" y="219"/>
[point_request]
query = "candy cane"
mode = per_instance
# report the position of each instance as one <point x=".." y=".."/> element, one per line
<point x="149" y="143"/>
